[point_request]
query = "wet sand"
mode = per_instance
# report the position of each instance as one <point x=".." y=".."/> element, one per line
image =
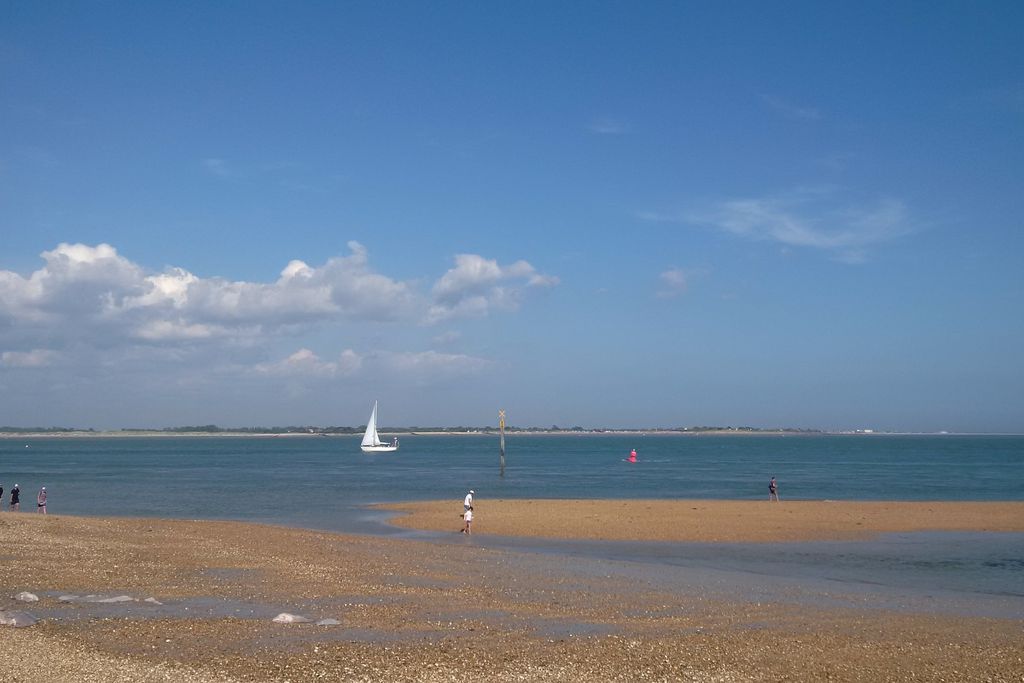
<point x="710" y="520"/>
<point x="417" y="611"/>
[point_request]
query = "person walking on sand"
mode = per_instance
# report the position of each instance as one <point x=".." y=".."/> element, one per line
<point x="41" y="501"/>
<point x="468" y="516"/>
<point x="773" y="491"/>
<point x="16" y="498"/>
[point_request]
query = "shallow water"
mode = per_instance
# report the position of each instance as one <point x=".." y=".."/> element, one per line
<point x="325" y="483"/>
<point x="971" y="574"/>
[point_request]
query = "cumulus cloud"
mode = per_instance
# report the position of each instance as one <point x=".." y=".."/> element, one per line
<point x="815" y="219"/>
<point x="477" y="285"/>
<point x="95" y="313"/>
<point x="87" y="290"/>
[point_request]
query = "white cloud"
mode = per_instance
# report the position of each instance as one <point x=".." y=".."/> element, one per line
<point x="87" y="292"/>
<point x="477" y="285"/>
<point x="36" y="358"/>
<point x="673" y="283"/>
<point x="815" y="219"/>
<point x="103" y="318"/>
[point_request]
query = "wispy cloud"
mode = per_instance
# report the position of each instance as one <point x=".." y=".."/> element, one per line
<point x="1007" y="98"/>
<point x="791" y="110"/>
<point x="606" y="126"/>
<point x="379" y="365"/>
<point x="815" y="219"/>
<point x="672" y="283"/>
<point x="217" y="167"/>
<point x="36" y="358"/>
<point x="448" y="337"/>
<point x="305" y="363"/>
<point x="286" y="175"/>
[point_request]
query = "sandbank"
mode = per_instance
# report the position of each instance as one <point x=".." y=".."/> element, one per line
<point x="710" y="520"/>
<point x="418" y="611"/>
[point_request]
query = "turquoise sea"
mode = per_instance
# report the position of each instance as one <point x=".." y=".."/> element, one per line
<point x="325" y="483"/>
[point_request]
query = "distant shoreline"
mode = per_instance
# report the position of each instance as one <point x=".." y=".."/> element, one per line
<point x="639" y="433"/>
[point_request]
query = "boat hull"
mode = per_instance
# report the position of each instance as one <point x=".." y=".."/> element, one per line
<point x="379" y="449"/>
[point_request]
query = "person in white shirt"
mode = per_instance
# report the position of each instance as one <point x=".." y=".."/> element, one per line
<point x="469" y="520"/>
<point x="467" y="504"/>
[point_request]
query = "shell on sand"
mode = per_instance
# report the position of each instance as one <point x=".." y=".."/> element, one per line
<point x="285" y="618"/>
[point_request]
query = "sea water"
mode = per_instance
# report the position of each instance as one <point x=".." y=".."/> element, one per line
<point x="326" y="482"/>
<point x="317" y="481"/>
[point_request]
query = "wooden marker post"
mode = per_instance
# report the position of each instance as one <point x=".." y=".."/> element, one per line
<point x="501" y="429"/>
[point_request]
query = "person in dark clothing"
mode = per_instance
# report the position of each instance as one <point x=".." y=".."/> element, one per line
<point x="16" y="498"/>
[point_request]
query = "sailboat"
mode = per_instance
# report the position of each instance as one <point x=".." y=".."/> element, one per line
<point x="371" y="440"/>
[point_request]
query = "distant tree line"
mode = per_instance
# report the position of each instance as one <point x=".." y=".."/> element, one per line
<point x="461" y="429"/>
<point x="42" y="430"/>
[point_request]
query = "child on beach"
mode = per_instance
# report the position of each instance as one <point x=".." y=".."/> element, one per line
<point x="468" y="516"/>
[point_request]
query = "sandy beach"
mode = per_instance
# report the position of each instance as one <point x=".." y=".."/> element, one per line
<point x="711" y="520"/>
<point x="418" y="611"/>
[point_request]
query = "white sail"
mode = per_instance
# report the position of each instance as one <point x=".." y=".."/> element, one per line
<point x="370" y="438"/>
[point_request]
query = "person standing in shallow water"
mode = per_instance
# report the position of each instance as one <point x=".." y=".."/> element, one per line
<point x="41" y="501"/>
<point x="773" y="491"/>
<point x="1" y="497"/>
<point x="16" y="498"/>
<point x="468" y="515"/>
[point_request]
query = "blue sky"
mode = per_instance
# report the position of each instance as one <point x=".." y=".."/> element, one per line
<point x="595" y="214"/>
